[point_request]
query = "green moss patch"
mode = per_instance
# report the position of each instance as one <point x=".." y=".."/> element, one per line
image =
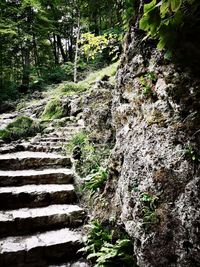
<point x="21" y="127"/>
<point x="53" y="110"/>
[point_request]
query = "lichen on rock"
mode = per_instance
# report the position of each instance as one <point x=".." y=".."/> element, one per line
<point x="153" y="132"/>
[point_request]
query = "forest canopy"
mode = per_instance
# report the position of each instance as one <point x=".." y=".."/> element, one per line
<point x="38" y="39"/>
<point x="44" y="41"/>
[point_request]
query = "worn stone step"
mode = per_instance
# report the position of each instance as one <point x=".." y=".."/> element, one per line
<point x="43" y="148"/>
<point x="79" y="263"/>
<point x="58" y="134"/>
<point x="45" y="176"/>
<point x="53" y="139"/>
<point x="7" y="149"/>
<point x="27" y="160"/>
<point x="27" y="220"/>
<point x="36" y="195"/>
<point x="48" y="143"/>
<point x="40" y="249"/>
<point x="72" y="129"/>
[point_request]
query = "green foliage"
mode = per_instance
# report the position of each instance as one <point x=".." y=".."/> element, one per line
<point x="98" y="75"/>
<point x="192" y="153"/>
<point x="127" y="13"/>
<point x="96" y="181"/>
<point x="74" y="88"/>
<point x="59" y="73"/>
<point x="91" y="159"/>
<point x="80" y="139"/>
<point x="8" y="92"/>
<point x="164" y="19"/>
<point x="92" y="45"/>
<point x="149" y="203"/>
<point x="105" y="250"/>
<point x="97" y="234"/>
<point x="118" y="254"/>
<point x="21" y="127"/>
<point x="53" y="110"/>
<point x="147" y="82"/>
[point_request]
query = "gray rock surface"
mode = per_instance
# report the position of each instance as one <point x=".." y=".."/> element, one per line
<point x="155" y="174"/>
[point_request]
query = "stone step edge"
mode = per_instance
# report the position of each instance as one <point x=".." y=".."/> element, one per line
<point x="43" y="247"/>
<point x="27" y="220"/>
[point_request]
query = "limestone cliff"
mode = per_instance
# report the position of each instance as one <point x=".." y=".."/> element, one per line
<point x="155" y="174"/>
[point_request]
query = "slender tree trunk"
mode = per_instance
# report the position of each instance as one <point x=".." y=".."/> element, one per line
<point x="59" y="42"/>
<point x="26" y="67"/>
<point x="35" y="53"/>
<point x="1" y="62"/>
<point x="56" y="56"/>
<point x="77" y="47"/>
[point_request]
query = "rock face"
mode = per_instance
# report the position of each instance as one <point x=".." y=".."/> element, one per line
<point x="155" y="163"/>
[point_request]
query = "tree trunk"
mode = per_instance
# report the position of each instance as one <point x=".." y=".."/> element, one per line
<point x="55" y="52"/>
<point x="59" y="43"/>
<point x="26" y="67"/>
<point x="77" y="47"/>
<point x="1" y="63"/>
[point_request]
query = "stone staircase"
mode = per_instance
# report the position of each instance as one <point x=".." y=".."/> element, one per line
<point x="40" y="222"/>
<point x="54" y="139"/>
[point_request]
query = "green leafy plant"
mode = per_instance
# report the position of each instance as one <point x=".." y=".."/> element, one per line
<point x="163" y="20"/>
<point x="105" y="250"/>
<point x="92" y="46"/>
<point x="21" y="127"/>
<point x="118" y="254"/>
<point x="147" y="82"/>
<point x="192" y="153"/>
<point x="53" y="110"/>
<point x="149" y="214"/>
<point x="79" y="139"/>
<point x="91" y="158"/>
<point x="96" y="181"/>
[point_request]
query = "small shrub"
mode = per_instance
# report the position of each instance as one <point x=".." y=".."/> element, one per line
<point x="192" y="154"/>
<point x="107" y="246"/>
<point x="56" y="75"/>
<point x="80" y="139"/>
<point x="53" y="110"/>
<point x="96" y="181"/>
<point x="150" y="217"/>
<point x="22" y="127"/>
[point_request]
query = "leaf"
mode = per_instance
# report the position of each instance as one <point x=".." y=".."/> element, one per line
<point x="161" y="45"/>
<point x="175" y="5"/>
<point x="164" y="8"/>
<point x="150" y="6"/>
<point x="144" y="23"/>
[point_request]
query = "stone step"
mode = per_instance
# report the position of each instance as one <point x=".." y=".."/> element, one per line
<point x="27" y="160"/>
<point x="7" y="149"/>
<point x="48" y="143"/>
<point x="72" y="129"/>
<point x="46" y="176"/>
<point x="40" y="249"/>
<point x="29" y="220"/>
<point x="36" y="195"/>
<point x="80" y="263"/>
<point x="46" y="149"/>
<point x="58" y="134"/>
<point x="50" y="139"/>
